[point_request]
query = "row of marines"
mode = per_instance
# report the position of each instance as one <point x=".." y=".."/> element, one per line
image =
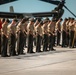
<point x="46" y="33"/>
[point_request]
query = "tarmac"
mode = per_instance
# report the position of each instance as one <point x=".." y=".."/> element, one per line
<point x="59" y="62"/>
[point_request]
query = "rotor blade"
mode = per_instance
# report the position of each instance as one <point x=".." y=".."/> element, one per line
<point x="51" y="1"/>
<point x="70" y="11"/>
<point x="21" y="15"/>
<point x="6" y="1"/>
<point x="44" y="14"/>
<point x="12" y="15"/>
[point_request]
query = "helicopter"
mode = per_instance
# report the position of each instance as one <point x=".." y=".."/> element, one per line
<point x="55" y="14"/>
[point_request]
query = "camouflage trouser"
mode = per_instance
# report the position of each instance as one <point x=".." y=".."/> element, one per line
<point x="58" y="37"/>
<point x="30" y="43"/>
<point x="45" y="42"/>
<point x="0" y="44"/>
<point x="71" y="38"/>
<point x="51" y="41"/>
<point x="4" y="42"/>
<point x="12" y="43"/>
<point x="20" y="42"/>
<point x="63" y="38"/>
<point x="38" y="43"/>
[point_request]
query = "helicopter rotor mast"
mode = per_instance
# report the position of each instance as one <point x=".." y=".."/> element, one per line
<point x="60" y="5"/>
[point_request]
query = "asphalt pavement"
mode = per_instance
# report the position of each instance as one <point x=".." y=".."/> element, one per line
<point x="59" y="62"/>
